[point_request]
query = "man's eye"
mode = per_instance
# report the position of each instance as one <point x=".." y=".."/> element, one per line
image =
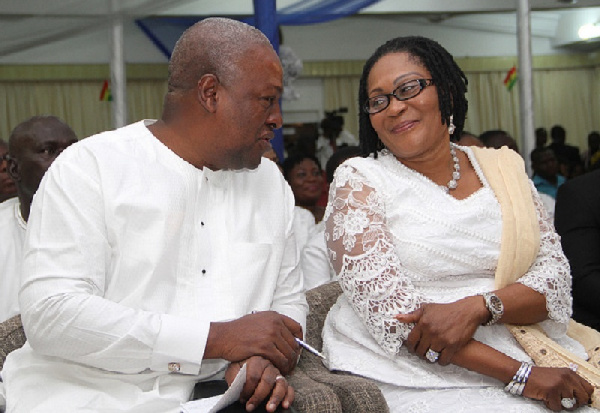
<point x="270" y="100"/>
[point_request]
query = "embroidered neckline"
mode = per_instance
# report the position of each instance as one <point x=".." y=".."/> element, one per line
<point x="396" y="165"/>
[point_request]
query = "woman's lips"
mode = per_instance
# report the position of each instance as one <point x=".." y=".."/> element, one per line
<point x="313" y="188"/>
<point x="404" y="126"/>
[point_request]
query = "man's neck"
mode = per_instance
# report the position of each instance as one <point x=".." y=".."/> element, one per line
<point x="24" y="207"/>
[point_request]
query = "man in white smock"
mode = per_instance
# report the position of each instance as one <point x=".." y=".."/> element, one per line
<point x="162" y="254"/>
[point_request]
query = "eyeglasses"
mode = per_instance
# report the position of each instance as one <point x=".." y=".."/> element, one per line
<point x="405" y="91"/>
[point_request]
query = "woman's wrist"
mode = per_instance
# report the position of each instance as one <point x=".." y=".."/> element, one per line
<point x="494" y="306"/>
<point x="519" y="380"/>
<point x="481" y="312"/>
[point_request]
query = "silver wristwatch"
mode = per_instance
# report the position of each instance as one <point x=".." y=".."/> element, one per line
<point x="494" y="306"/>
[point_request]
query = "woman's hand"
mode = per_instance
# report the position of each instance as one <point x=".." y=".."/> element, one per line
<point x="444" y="328"/>
<point x="262" y="379"/>
<point x="551" y="385"/>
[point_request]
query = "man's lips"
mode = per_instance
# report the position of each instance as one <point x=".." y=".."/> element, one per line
<point x="268" y="136"/>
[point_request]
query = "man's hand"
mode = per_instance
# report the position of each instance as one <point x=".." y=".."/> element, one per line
<point x="267" y="334"/>
<point x="262" y="379"/>
<point x="444" y="328"/>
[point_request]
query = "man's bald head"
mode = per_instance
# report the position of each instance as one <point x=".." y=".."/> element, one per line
<point x="34" y="129"/>
<point x="211" y="46"/>
<point x="32" y="147"/>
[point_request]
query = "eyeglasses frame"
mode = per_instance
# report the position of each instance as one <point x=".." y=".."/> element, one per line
<point x="423" y="83"/>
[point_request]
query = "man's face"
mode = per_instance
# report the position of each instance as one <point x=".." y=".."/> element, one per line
<point x="35" y="154"/>
<point x="249" y="110"/>
<point x="8" y="188"/>
<point x="546" y="165"/>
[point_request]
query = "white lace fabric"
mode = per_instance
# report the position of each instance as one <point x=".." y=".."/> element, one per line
<point x="396" y="240"/>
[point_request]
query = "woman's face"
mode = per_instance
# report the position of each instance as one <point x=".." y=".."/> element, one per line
<point x="412" y="128"/>
<point x="306" y="181"/>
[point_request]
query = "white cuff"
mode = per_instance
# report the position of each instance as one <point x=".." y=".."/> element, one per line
<point x="180" y="345"/>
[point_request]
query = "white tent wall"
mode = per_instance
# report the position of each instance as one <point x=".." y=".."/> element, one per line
<point x="484" y="45"/>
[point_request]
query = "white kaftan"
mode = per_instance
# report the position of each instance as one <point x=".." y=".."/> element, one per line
<point x="130" y="253"/>
<point x="12" y="236"/>
<point x="397" y="240"/>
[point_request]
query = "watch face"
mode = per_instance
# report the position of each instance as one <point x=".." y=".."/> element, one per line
<point x="496" y="303"/>
<point x="494" y="306"/>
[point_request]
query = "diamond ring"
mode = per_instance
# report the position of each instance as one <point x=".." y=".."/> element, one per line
<point x="432" y="355"/>
<point x="573" y="366"/>
<point x="568" y="402"/>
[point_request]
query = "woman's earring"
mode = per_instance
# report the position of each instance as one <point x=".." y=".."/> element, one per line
<point x="451" y="126"/>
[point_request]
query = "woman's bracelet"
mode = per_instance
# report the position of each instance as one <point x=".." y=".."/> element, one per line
<point x="517" y="384"/>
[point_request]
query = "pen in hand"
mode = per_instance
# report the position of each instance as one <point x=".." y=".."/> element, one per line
<point x="310" y="348"/>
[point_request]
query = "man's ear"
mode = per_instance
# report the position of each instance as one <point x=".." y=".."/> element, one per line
<point x="207" y="89"/>
<point x="12" y="167"/>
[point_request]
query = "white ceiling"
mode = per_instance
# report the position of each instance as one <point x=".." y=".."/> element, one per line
<point x="26" y="24"/>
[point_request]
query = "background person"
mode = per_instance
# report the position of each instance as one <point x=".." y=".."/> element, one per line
<point x="414" y="231"/>
<point x="333" y="137"/>
<point x="577" y="221"/>
<point x="498" y="138"/>
<point x="161" y="254"/>
<point x="305" y="176"/>
<point x="8" y="189"/>
<point x="592" y="152"/>
<point x="314" y="258"/>
<point x="469" y="139"/>
<point x="546" y="176"/>
<point x="33" y="145"/>
<point x="569" y="159"/>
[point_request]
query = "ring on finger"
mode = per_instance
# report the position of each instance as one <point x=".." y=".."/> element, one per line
<point x="280" y="377"/>
<point x="568" y="402"/>
<point x="432" y="356"/>
<point x="573" y="366"/>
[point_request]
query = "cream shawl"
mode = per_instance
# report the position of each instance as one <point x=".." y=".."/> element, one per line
<point x="505" y="172"/>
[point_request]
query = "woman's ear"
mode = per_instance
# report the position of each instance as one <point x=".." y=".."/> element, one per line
<point x="208" y="86"/>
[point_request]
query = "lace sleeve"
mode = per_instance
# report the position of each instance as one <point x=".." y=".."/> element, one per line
<point x="550" y="273"/>
<point x="362" y="254"/>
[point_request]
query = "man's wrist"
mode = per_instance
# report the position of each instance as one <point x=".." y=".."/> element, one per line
<point x="213" y="350"/>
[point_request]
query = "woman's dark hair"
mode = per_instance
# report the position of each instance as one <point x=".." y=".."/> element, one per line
<point x="295" y="159"/>
<point x="448" y="78"/>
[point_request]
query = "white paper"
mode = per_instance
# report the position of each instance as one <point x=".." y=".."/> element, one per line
<point x="216" y="403"/>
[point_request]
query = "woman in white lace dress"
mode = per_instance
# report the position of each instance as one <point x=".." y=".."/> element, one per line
<point x="414" y="233"/>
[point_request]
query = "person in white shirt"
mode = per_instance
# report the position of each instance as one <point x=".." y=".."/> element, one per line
<point x="162" y="254"/>
<point x="33" y="145"/>
<point x="334" y="137"/>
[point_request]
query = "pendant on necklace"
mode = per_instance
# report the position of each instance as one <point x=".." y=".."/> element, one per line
<point x="453" y="183"/>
